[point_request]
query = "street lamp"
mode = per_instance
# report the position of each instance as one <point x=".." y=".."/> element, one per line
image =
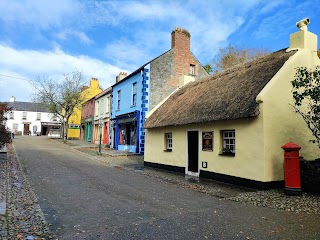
<point x="100" y="130"/>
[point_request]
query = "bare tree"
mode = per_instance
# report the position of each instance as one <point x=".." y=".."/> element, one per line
<point x="61" y="97"/>
<point x="232" y="55"/>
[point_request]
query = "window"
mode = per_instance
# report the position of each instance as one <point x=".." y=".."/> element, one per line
<point x="108" y="105"/>
<point x="192" y="69"/>
<point x="15" y="127"/>
<point x="118" y="99"/>
<point x="101" y="107"/>
<point x="11" y="115"/>
<point x="168" y="138"/>
<point x="134" y="93"/>
<point x="97" y="108"/>
<point x="24" y="115"/>
<point x="229" y="141"/>
<point x="38" y="116"/>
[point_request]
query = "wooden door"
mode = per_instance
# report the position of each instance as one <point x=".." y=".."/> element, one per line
<point x="193" y="151"/>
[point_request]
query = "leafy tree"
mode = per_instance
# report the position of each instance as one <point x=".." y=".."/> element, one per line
<point x="208" y="68"/>
<point x="5" y="136"/>
<point x="61" y="97"/>
<point x="232" y="55"/>
<point x="306" y="95"/>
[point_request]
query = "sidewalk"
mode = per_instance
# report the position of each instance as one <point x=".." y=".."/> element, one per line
<point x="80" y="144"/>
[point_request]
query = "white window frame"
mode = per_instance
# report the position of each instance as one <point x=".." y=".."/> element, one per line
<point x="24" y="115"/>
<point x="97" y="108"/>
<point x="108" y="105"/>
<point x="192" y="70"/>
<point x="38" y="116"/>
<point x="11" y="115"/>
<point x="15" y="127"/>
<point x="134" y="94"/>
<point x="229" y="140"/>
<point x="168" y="137"/>
<point x="101" y="106"/>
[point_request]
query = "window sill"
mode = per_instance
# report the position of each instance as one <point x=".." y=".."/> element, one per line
<point x="167" y="150"/>
<point x="227" y="154"/>
<point x="133" y="105"/>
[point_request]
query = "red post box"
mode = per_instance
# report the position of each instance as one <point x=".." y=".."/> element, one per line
<point x="292" y="180"/>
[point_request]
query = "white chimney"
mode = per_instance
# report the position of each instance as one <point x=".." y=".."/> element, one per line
<point x="303" y="39"/>
<point x="12" y="99"/>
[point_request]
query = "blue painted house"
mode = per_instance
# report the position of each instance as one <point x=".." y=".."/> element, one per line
<point x="136" y="94"/>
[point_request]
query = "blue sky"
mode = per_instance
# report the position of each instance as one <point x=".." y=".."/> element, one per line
<point x="101" y="38"/>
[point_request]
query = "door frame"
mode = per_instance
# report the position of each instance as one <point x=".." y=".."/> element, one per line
<point x="195" y="174"/>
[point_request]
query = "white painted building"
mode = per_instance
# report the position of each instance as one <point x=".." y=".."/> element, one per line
<point x="103" y="112"/>
<point x="27" y="118"/>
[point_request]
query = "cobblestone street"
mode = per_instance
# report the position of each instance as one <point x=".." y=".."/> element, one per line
<point x="86" y="196"/>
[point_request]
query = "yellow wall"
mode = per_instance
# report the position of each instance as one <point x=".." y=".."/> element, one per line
<point x="75" y="118"/>
<point x="248" y="161"/>
<point x="258" y="140"/>
<point x="282" y="124"/>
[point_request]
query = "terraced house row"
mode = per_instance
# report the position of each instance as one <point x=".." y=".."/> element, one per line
<point x="120" y="110"/>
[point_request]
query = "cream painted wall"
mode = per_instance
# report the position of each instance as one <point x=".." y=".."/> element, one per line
<point x="282" y="124"/>
<point x="248" y="161"/>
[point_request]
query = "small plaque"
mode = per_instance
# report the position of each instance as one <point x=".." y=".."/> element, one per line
<point x="204" y="164"/>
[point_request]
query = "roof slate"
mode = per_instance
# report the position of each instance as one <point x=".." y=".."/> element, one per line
<point x="27" y="106"/>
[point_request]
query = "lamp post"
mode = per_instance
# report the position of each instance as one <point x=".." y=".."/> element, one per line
<point x="64" y="137"/>
<point x="100" y="130"/>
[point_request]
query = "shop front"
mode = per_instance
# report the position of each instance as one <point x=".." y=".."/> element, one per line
<point x="87" y="129"/>
<point x="125" y="132"/>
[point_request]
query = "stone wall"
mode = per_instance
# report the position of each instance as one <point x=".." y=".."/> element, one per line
<point x="162" y="70"/>
<point x="310" y="176"/>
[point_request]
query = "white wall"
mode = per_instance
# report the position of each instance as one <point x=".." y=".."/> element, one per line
<point x="31" y="119"/>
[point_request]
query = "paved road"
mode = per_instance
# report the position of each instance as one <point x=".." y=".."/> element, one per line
<point x="85" y="199"/>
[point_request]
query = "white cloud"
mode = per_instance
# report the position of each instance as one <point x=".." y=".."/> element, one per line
<point x="29" y="64"/>
<point x="38" y="14"/>
<point x="64" y="35"/>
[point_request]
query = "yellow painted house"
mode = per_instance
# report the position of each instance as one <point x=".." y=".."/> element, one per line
<point x="231" y="126"/>
<point x="75" y="119"/>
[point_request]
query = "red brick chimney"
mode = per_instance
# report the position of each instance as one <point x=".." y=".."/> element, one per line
<point x="180" y="38"/>
<point x="183" y="59"/>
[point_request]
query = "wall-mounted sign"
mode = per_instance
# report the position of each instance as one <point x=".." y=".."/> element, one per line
<point x="204" y="164"/>
<point x="207" y="141"/>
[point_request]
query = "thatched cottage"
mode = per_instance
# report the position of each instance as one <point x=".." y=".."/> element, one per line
<point x="231" y="126"/>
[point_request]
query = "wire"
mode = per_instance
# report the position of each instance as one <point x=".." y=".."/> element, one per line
<point x="15" y="77"/>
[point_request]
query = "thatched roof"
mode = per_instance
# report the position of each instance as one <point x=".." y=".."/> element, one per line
<point x="228" y="95"/>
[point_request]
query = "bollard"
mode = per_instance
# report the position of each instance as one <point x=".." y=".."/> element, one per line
<point x="292" y="180"/>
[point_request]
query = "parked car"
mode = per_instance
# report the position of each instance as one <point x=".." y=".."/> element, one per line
<point x="54" y="134"/>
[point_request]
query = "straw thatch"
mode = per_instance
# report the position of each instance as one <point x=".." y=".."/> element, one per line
<point x="228" y="95"/>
